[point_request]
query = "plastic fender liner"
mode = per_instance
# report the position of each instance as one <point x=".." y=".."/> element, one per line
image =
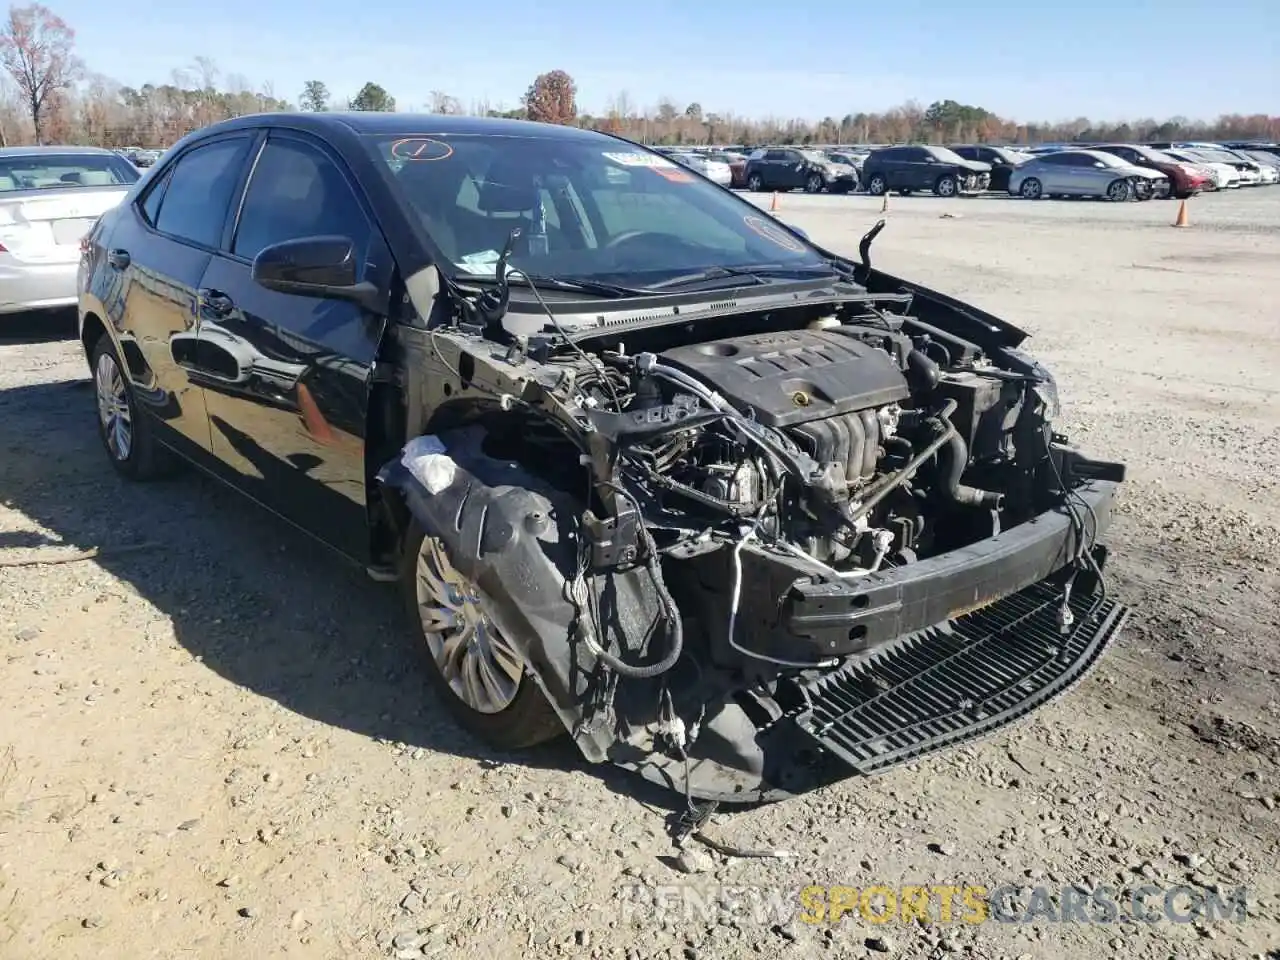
<point x="516" y="537"/>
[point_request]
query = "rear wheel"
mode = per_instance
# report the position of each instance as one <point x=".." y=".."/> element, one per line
<point x="126" y="436"/>
<point x="479" y="673"/>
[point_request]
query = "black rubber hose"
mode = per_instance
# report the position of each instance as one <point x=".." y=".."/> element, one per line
<point x="953" y="489"/>
<point x="923" y="373"/>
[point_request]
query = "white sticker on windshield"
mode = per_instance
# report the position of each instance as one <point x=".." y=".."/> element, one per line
<point x="639" y="160"/>
<point x="483" y="263"/>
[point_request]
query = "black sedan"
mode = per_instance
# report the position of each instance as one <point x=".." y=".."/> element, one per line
<point x="649" y="467"/>
<point x="911" y="168"/>
<point x="1003" y="161"/>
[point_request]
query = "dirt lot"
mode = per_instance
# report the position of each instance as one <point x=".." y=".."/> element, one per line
<point x="215" y="744"/>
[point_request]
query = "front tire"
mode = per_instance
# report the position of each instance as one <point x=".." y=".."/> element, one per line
<point x="946" y="186"/>
<point x="1119" y="191"/>
<point x="1031" y="189"/>
<point x="813" y="183"/>
<point x="481" y="678"/>
<point x="126" y="435"/>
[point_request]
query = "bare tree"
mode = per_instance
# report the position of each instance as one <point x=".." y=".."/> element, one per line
<point x="36" y="47"/>
<point x="442" y="102"/>
<point x="552" y="98"/>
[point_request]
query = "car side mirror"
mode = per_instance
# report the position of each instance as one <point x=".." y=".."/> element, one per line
<point x="803" y="234"/>
<point x="323" y="266"/>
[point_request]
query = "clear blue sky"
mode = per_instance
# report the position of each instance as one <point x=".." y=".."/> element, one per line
<point x="1029" y="60"/>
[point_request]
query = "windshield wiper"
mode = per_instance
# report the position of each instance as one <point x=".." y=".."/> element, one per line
<point x="753" y="275"/>
<point x="517" y="277"/>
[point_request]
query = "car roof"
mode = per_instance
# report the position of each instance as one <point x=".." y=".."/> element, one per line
<point x="425" y="124"/>
<point x="59" y="149"/>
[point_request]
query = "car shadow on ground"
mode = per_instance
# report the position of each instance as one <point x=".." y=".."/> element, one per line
<point x="43" y="326"/>
<point x="262" y="604"/>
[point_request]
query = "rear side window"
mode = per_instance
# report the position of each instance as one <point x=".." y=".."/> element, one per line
<point x="151" y="202"/>
<point x="195" y="202"/>
<point x="296" y="191"/>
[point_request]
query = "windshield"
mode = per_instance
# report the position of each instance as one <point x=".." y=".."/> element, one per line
<point x="587" y="208"/>
<point x="1216" y="156"/>
<point x="63" y="171"/>
<point x="814" y="156"/>
<point x="1110" y="159"/>
<point x="950" y="156"/>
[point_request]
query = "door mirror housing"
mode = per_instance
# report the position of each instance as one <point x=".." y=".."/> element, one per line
<point x="322" y="266"/>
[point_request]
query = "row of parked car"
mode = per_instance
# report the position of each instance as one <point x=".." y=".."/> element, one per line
<point x="1116" y="171"/>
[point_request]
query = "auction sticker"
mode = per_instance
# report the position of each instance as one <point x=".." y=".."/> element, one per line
<point x="774" y="233"/>
<point x="674" y="175"/>
<point x="420" y="148"/>
<point x="650" y="160"/>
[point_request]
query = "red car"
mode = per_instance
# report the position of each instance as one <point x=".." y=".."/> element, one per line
<point x="1184" y="180"/>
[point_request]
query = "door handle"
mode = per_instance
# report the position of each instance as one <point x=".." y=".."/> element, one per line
<point x="217" y="302"/>
<point x="118" y="258"/>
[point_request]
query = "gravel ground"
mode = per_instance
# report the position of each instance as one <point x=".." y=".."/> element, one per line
<point x="214" y="742"/>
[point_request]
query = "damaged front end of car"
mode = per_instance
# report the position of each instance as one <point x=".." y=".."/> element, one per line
<point x="766" y="542"/>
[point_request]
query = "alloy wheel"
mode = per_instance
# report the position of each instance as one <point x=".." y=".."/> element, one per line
<point x="475" y="660"/>
<point x="113" y="408"/>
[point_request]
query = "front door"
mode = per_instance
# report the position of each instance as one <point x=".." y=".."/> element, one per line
<point x="160" y="251"/>
<point x="287" y="377"/>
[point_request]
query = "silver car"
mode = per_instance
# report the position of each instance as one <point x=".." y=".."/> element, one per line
<point x="1085" y="173"/>
<point x="49" y="198"/>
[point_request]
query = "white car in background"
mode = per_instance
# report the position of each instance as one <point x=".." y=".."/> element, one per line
<point x="49" y="198"/>
<point x="714" y="170"/>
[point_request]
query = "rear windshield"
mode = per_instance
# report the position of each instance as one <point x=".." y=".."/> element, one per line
<point x="63" y="171"/>
<point x="592" y="209"/>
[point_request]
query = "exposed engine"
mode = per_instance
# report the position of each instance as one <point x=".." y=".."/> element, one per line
<point x="813" y="440"/>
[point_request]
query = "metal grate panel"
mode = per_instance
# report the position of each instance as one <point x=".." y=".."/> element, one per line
<point x="958" y="681"/>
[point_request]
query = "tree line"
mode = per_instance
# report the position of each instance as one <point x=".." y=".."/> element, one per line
<point x="47" y="95"/>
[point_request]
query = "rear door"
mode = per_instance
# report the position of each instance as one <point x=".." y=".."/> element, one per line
<point x="160" y="248"/>
<point x="287" y="376"/>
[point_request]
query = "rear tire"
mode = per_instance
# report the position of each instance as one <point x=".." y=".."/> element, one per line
<point x="126" y="434"/>
<point x="520" y="716"/>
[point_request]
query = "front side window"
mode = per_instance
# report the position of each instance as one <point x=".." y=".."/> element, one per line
<point x="585" y="208"/>
<point x="194" y="205"/>
<point x="64" y="171"/>
<point x="296" y="191"/>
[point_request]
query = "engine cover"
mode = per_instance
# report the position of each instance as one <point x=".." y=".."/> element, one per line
<point x="794" y="376"/>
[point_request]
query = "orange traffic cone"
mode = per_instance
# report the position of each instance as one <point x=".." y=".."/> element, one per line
<point x="773" y="205"/>
<point x="884" y="207"/>
<point x="1182" y="220"/>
